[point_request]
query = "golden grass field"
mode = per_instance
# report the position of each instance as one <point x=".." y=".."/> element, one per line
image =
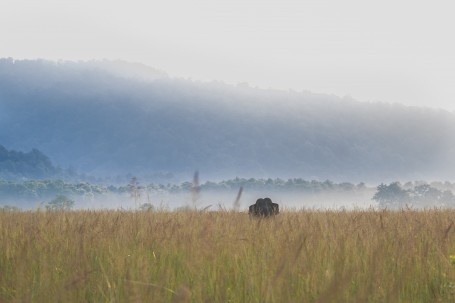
<point x="299" y="256"/>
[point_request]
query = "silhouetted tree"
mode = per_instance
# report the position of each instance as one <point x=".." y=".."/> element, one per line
<point x="391" y="195"/>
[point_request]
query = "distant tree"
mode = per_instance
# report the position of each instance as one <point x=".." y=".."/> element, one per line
<point x="60" y="203"/>
<point x="135" y="190"/>
<point x="424" y="194"/>
<point x="195" y="188"/>
<point x="391" y="195"/>
<point x="147" y="207"/>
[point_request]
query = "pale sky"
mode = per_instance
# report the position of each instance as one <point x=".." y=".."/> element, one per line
<point x="391" y="51"/>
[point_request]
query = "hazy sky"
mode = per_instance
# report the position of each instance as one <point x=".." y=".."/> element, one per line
<point x="392" y="51"/>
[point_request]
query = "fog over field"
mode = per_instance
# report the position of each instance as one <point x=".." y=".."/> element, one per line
<point x="216" y="201"/>
<point x="208" y="201"/>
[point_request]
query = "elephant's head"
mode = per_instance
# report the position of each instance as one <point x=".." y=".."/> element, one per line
<point x="264" y="208"/>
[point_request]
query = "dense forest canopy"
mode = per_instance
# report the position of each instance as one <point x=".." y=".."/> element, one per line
<point x="91" y="116"/>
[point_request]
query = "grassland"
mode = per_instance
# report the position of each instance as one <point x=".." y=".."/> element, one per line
<point x="303" y="256"/>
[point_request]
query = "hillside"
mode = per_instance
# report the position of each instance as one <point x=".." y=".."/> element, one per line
<point x="30" y="165"/>
<point x="102" y="122"/>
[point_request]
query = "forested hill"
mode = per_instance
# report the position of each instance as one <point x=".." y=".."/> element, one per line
<point x="101" y="121"/>
<point x="30" y="165"/>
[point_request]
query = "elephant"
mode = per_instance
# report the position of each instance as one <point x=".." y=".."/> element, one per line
<point x="264" y="208"/>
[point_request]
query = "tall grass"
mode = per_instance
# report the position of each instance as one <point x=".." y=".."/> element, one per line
<point x="303" y="256"/>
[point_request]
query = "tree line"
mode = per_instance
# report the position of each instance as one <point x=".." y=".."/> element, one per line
<point x="418" y="195"/>
<point x="46" y="188"/>
<point x="395" y="195"/>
